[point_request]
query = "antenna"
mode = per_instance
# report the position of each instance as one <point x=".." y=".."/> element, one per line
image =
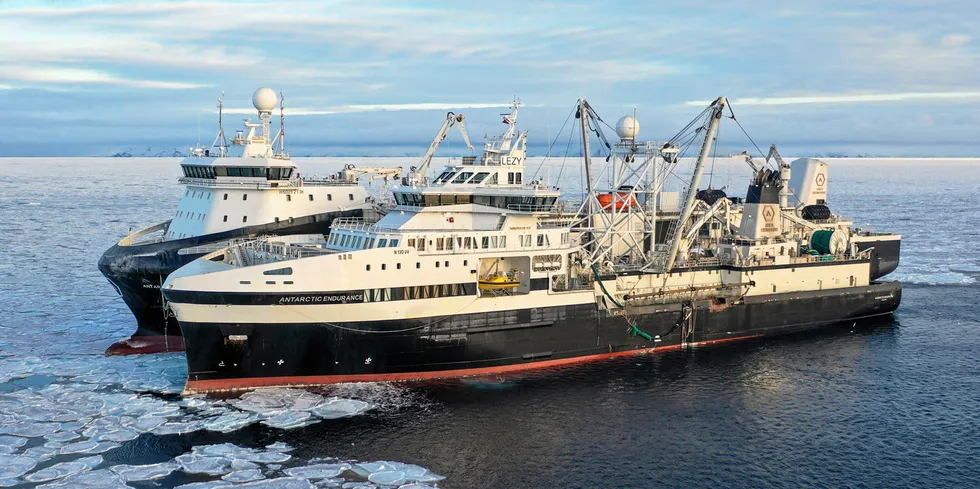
<point x="282" y="123"/>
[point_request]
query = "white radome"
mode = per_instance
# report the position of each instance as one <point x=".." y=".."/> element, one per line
<point x="265" y="99"/>
<point x="628" y="127"/>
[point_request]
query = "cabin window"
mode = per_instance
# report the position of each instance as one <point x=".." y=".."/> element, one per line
<point x="543" y="240"/>
<point x="329" y="197"/>
<point x="244" y="196"/>
<point x="480" y="177"/>
<point x="411" y="242"/>
<point x="393" y="243"/>
<point x="431" y="199"/>
<point x="270" y="282"/>
<point x="274" y="173"/>
<point x="398" y="266"/>
<point x="418" y="264"/>
<point x="351" y="196"/>
<point x="437" y="264"/>
<point x="311" y="197"/>
<point x="463" y="177"/>
<point x="225" y="219"/>
<point x="384" y="266"/>
<point x="226" y="197"/>
<point x="279" y="271"/>
<point x="449" y="243"/>
<point x="244" y="218"/>
<point x="382" y="242"/>
<point x="277" y="219"/>
<point x="525" y="240"/>
<point x="422" y="244"/>
<point x="289" y="198"/>
<point x="440" y="244"/>
<point x="510" y="178"/>
<point x="360" y="241"/>
<point x="367" y="267"/>
<point x="447" y="263"/>
<point x="445" y="176"/>
<point x="485" y="242"/>
<point x="517" y="177"/>
<point x="287" y="282"/>
<point x="503" y="241"/>
<point x="465" y="262"/>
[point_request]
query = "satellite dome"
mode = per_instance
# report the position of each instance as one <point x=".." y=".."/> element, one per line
<point x="265" y="99"/>
<point x="628" y="128"/>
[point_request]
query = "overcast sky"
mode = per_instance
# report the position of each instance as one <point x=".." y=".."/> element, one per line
<point x="896" y="77"/>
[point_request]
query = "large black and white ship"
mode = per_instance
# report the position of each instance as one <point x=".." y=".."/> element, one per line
<point x="257" y="193"/>
<point x="480" y="272"/>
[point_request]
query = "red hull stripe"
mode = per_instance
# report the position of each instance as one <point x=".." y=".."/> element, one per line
<point x="139" y="345"/>
<point x="225" y="385"/>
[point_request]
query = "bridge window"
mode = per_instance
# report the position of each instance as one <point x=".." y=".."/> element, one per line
<point x="382" y="242"/>
<point x="393" y="243"/>
<point x="445" y="176"/>
<point x="480" y="177"/>
<point x="463" y="177"/>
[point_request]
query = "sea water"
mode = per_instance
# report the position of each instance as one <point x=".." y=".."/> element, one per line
<point x="885" y="403"/>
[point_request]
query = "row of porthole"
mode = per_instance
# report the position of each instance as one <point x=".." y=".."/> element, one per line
<point x="289" y="197"/>
<point x="418" y="264"/>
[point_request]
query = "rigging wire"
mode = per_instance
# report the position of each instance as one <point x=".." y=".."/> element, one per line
<point x="732" y="112"/>
<point x="552" y="146"/>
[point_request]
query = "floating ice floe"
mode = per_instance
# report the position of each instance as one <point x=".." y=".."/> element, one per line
<point x="205" y="485"/>
<point x="130" y="473"/>
<point x="95" y="479"/>
<point x="88" y="447"/>
<point x="11" y="443"/>
<point x="194" y="463"/>
<point x="280" y="483"/>
<point x="247" y="475"/>
<point x="318" y="471"/>
<point x="12" y="466"/>
<point x="388" y="478"/>
<point x="290" y="419"/>
<point x="64" y="469"/>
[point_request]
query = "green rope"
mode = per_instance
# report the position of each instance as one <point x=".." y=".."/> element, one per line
<point x="636" y="331"/>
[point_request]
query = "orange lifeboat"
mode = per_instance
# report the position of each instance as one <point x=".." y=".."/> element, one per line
<point x="623" y="201"/>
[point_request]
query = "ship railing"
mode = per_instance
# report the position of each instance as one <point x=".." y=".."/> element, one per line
<point x="263" y="184"/>
<point x="363" y="225"/>
<point x="146" y="236"/>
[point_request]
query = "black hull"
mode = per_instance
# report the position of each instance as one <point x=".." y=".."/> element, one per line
<point x="884" y="256"/>
<point x="138" y="271"/>
<point x="223" y="357"/>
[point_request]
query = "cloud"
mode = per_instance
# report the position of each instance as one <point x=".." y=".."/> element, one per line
<point x="351" y="109"/>
<point x="57" y="75"/>
<point x="847" y="99"/>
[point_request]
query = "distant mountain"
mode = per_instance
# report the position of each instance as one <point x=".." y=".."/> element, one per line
<point x="149" y="152"/>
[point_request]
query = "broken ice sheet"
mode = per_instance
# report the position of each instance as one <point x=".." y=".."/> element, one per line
<point x="64" y="469"/>
<point x="280" y="483"/>
<point x="317" y="471"/>
<point x="340" y="408"/>
<point x="131" y="473"/>
<point x="290" y="419"/>
<point x="13" y="442"/>
<point x="387" y="477"/>
<point x="193" y="463"/>
<point x="247" y="475"/>
<point x="12" y="466"/>
<point x="88" y="446"/>
<point x="232" y="421"/>
<point x="96" y="479"/>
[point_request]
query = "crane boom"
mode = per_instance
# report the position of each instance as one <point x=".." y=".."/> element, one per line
<point x="419" y="174"/>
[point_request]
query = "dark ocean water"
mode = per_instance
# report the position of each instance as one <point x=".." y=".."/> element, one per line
<point x="893" y="402"/>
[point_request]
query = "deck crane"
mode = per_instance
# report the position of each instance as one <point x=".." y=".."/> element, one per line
<point x="420" y="175"/>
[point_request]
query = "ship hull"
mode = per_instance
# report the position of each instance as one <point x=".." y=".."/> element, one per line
<point x="229" y="357"/>
<point x="138" y="271"/>
<point x="885" y="252"/>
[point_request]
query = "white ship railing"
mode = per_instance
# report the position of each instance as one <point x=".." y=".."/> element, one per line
<point x="260" y="184"/>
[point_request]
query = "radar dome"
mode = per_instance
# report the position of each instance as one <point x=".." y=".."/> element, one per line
<point x="265" y="99"/>
<point x="627" y="128"/>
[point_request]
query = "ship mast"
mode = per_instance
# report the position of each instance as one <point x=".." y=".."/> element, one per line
<point x="714" y="118"/>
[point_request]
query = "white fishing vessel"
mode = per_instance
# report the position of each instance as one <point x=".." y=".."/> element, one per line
<point x="255" y="193"/>
<point x="480" y="272"/>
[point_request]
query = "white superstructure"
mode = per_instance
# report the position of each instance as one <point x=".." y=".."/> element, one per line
<point x="261" y="185"/>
